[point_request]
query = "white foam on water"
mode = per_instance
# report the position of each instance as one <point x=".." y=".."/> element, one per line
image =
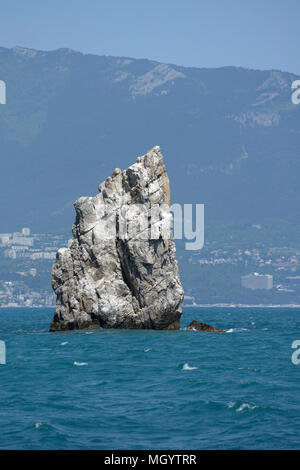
<point x="147" y="349"/>
<point x="235" y="330"/>
<point x="186" y="366"/>
<point x="64" y="343"/>
<point x="242" y="407"/>
<point x="245" y="406"/>
<point x="89" y="332"/>
<point x="231" y="404"/>
<point x="38" y="425"/>
<point x="75" y="363"/>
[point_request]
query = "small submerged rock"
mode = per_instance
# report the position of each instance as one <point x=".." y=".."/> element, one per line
<point x="196" y="325"/>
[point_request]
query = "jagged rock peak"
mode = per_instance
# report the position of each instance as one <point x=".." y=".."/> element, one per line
<point x="120" y="270"/>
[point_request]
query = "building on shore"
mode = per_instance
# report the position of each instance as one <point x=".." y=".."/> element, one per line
<point x="257" y="281"/>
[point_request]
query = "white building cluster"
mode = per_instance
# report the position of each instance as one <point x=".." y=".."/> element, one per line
<point x="21" y="245"/>
<point x="257" y="281"/>
<point x="17" y="238"/>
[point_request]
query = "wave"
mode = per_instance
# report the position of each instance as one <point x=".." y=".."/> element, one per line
<point x="186" y="366"/>
<point x="246" y="406"/>
<point x="235" y="330"/>
<point x="80" y="363"/>
<point x="241" y="407"/>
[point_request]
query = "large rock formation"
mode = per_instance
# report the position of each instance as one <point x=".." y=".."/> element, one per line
<point x="120" y="270"/>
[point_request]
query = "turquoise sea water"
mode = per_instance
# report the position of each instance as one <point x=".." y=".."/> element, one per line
<point x="116" y="389"/>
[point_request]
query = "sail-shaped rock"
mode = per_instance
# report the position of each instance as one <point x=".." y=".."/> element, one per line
<point x="120" y="270"/>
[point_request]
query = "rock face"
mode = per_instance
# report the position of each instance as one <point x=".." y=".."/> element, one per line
<point x="196" y="325"/>
<point x="120" y="270"/>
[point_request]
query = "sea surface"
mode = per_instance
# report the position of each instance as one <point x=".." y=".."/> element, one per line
<point x="117" y="389"/>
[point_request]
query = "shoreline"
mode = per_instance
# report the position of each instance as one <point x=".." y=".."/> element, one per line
<point x="31" y="307"/>
<point x="221" y="305"/>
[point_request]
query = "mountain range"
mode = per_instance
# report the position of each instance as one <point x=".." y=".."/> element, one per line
<point x="230" y="136"/>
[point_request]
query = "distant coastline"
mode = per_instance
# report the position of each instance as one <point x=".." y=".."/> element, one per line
<point x="220" y="305"/>
<point x="243" y="305"/>
<point x="31" y="307"/>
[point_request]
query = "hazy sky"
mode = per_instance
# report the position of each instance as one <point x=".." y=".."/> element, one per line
<point x="260" y="34"/>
